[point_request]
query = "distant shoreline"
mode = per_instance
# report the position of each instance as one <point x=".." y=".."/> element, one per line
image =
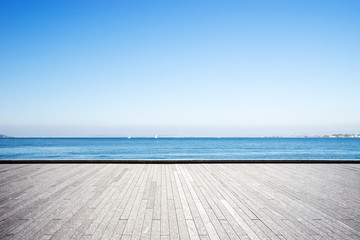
<point x="175" y="137"/>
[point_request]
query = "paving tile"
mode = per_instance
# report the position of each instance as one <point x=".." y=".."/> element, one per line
<point x="179" y="201"/>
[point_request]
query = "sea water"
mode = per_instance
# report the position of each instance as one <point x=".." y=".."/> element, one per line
<point x="180" y="148"/>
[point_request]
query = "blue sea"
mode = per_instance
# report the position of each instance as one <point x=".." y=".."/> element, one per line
<point x="180" y="148"/>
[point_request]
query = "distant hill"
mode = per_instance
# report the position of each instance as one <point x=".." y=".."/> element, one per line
<point x="4" y="136"/>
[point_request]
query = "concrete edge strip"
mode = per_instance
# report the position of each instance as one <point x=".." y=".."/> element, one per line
<point x="177" y="161"/>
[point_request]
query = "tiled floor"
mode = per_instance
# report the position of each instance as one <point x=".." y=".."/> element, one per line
<point x="180" y="201"/>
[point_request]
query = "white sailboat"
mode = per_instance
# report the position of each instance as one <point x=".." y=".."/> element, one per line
<point x="156" y="136"/>
<point x="129" y="137"/>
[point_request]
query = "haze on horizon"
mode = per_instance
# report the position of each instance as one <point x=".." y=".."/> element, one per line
<point x="179" y="68"/>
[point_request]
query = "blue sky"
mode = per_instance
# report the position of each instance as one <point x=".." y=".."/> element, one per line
<point x="179" y="68"/>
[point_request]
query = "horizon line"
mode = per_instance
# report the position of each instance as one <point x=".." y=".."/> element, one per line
<point x="346" y="135"/>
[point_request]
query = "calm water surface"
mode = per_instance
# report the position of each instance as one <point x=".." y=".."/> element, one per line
<point x="180" y="148"/>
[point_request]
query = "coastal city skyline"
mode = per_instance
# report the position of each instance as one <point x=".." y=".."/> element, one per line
<point x="140" y="68"/>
